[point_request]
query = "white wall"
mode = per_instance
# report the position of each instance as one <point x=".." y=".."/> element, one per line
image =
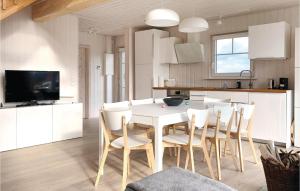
<point x="96" y="44"/>
<point x="197" y="74"/>
<point x="52" y="45"/>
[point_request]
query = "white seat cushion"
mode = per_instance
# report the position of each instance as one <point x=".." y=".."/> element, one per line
<point x="133" y="141"/>
<point x="181" y="139"/>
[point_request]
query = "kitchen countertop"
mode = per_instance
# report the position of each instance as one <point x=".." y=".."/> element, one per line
<point x="262" y="90"/>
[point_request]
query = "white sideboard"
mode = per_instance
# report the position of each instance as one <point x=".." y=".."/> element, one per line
<point x="34" y="125"/>
<point x="66" y="121"/>
<point x="8" y="129"/>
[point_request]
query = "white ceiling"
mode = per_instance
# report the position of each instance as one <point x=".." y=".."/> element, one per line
<point x="112" y="17"/>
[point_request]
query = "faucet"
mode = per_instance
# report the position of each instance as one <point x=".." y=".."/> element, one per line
<point x="250" y="77"/>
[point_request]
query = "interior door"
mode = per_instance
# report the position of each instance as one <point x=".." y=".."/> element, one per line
<point x="83" y="80"/>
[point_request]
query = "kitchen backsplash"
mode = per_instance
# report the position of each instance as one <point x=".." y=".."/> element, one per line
<point x="198" y="74"/>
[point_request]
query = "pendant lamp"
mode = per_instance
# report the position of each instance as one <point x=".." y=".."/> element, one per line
<point x="193" y="24"/>
<point x="162" y="18"/>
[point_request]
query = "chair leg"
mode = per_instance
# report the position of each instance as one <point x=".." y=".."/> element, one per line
<point x="151" y="156"/>
<point x="148" y="158"/>
<point x="220" y="154"/>
<point x="125" y="167"/>
<point x="211" y="149"/>
<point x="231" y="149"/>
<point x="129" y="165"/>
<point x="206" y="156"/>
<point x="241" y="154"/>
<point x="187" y="159"/>
<point x="178" y="156"/>
<point x="218" y="159"/>
<point x="253" y="149"/>
<point x="101" y="165"/>
<point x="224" y="152"/>
<point x="192" y="158"/>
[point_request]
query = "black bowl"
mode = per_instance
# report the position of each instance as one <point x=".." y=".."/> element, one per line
<point x="173" y="101"/>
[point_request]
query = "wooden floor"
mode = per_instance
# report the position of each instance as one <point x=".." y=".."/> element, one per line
<point x="72" y="165"/>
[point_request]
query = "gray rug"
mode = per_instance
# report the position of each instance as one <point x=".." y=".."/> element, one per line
<point x="177" y="179"/>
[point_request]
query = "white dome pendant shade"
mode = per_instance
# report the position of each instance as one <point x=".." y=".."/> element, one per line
<point x="193" y="24"/>
<point x="162" y="18"/>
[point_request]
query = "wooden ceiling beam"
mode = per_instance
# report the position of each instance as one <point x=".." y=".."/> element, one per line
<point x="10" y="7"/>
<point x="48" y="9"/>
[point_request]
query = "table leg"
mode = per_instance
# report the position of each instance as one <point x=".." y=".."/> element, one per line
<point x="158" y="146"/>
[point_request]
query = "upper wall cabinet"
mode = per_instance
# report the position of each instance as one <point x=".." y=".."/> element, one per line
<point x="269" y="41"/>
<point x="167" y="50"/>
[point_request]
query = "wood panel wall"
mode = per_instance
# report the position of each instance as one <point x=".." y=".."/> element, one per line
<point x="53" y="45"/>
<point x="198" y="74"/>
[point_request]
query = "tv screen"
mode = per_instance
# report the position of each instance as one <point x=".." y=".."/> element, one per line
<point x="25" y="86"/>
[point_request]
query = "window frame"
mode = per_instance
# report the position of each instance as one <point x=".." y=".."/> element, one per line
<point x="214" y="39"/>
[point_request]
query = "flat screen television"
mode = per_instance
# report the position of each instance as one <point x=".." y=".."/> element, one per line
<point x="27" y="86"/>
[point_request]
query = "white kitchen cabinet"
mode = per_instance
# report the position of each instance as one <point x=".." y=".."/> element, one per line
<point x="8" y="129"/>
<point x="269" y="41"/>
<point x="234" y="96"/>
<point x="297" y="87"/>
<point x="67" y="121"/>
<point x="297" y="47"/>
<point x="197" y="95"/>
<point x="143" y="81"/>
<point x="167" y="50"/>
<point x="34" y="125"/>
<point x="297" y="127"/>
<point x="148" y="69"/>
<point x="159" y="93"/>
<point x="272" y="116"/>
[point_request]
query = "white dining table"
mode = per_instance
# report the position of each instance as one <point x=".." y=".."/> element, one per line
<point x="158" y="116"/>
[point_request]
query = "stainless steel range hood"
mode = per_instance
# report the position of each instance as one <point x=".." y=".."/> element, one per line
<point x="189" y="53"/>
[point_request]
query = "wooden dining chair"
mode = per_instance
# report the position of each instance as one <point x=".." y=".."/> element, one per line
<point x="126" y="143"/>
<point x="116" y="132"/>
<point x="149" y="130"/>
<point x="197" y="119"/>
<point x="224" y="119"/>
<point x="244" y="128"/>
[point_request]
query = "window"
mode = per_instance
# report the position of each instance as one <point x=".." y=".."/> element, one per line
<point x="230" y="55"/>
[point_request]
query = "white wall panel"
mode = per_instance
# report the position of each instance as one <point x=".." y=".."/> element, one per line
<point x="51" y="45"/>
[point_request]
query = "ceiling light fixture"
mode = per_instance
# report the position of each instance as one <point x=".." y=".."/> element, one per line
<point x="193" y="24"/>
<point x="162" y="18"/>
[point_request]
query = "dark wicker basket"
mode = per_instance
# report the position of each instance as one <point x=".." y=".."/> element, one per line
<point x="279" y="178"/>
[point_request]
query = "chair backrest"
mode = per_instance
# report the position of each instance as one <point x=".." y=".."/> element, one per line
<point x="159" y="100"/>
<point x="216" y="100"/>
<point x="200" y="117"/>
<point x="116" y="105"/>
<point x="197" y="119"/>
<point x="245" y="114"/>
<point x="225" y="114"/>
<point x="142" y="101"/>
<point x="113" y="118"/>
